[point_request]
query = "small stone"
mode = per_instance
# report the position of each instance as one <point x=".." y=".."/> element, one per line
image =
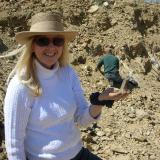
<point x="93" y="9"/>
<point x="106" y="4"/>
<point x="100" y="133"/>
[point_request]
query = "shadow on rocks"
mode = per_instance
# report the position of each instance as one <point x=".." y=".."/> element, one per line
<point x="3" y="47"/>
<point x="1" y="133"/>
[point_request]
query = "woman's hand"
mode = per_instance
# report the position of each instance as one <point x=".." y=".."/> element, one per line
<point x="113" y="94"/>
<point x="110" y="94"/>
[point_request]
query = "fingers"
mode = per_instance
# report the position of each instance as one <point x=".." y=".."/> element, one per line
<point x="120" y="96"/>
<point x="105" y="94"/>
<point x="113" y="94"/>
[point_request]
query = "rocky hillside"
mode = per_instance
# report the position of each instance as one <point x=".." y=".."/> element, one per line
<point x="130" y="130"/>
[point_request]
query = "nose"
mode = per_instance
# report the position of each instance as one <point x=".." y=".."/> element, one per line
<point x="51" y="44"/>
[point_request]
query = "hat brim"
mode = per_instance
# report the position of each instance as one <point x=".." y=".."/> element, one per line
<point x="23" y="37"/>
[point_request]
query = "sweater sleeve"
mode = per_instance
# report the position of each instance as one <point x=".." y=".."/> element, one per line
<point x="82" y="115"/>
<point x="16" y="114"/>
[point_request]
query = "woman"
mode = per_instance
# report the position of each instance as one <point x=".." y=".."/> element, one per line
<point x="44" y="102"/>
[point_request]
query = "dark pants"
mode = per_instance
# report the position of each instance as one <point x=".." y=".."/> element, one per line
<point x="115" y="80"/>
<point x="85" y="154"/>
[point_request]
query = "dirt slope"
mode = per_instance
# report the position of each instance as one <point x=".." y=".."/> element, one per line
<point x="131" y="129"/>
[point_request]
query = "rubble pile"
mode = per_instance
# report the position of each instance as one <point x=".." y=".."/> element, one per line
<point x="130" y="130"/>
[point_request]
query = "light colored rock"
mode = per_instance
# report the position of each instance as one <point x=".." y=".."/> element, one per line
<point x="106" y="4"/>
<point x="93" y="9"/>
<point x="100" y="133"/>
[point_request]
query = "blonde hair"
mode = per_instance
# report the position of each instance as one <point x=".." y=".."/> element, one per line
<point x="26" y="70"/>
<point x="64" y="59"/>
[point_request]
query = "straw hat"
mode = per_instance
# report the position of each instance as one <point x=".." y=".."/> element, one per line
<point x="45" y="24"/>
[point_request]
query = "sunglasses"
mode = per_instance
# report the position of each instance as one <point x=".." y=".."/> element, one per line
<point x="44" y="41"/>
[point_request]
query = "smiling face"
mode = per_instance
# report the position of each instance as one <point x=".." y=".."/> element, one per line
<point x="48" y="49"/>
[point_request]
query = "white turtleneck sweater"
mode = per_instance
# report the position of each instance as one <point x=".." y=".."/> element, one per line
<point x="45" y="127"/>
